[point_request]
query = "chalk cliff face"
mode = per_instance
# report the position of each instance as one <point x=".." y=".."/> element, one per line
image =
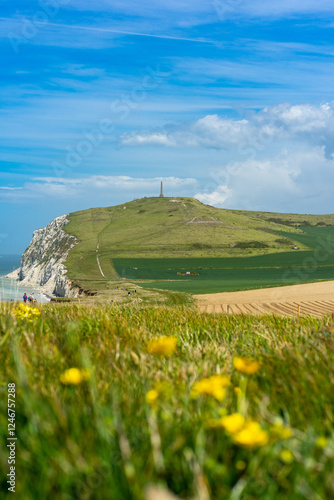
<point x="42" y="262"/>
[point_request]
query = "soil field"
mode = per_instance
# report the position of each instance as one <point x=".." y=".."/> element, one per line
<point x="315" y="299"/>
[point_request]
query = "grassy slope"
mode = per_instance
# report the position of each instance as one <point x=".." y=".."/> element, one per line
<point x="161" y="227"/>
<point x="101" y="440"/>
<point x="301" y="220"/>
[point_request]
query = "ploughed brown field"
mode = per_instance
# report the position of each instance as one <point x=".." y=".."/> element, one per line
<point x="316" y="299"/>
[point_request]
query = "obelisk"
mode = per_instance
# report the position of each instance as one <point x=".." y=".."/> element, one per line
<point x="161" y="192"/>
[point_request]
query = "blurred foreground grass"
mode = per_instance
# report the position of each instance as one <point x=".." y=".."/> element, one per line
<point x="132" y="416"/>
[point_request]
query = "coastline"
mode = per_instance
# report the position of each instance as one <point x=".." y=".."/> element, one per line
<point x="12" y="290"/>
<point x="14" y="275"/>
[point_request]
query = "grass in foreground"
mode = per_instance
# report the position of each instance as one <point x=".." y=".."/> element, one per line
<point x="189" y="413"/>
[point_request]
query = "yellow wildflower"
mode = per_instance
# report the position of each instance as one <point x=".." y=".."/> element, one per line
<point x="152" y="396"/>
<point x="243" y="432"/>
<point x="213" y="386"/>
<point x="161" y="389"/>
<point x="281" y="432"/>
<point x="238" y="391"/>
<point x="24" y="311"/>
<point x="321" y="442"/>
<point x="74" y="376"/>
<point x="286" y="456"/>
<point x="246" y="365"/>
<point x="162" y="346"/>
<point x="251" y="435"/>
<point x="233" y="423"/>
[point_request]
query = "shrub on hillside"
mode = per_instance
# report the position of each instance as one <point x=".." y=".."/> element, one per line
<point x="251" y="244"/>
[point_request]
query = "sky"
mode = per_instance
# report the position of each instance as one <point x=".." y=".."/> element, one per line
<point x="229" y="101"/>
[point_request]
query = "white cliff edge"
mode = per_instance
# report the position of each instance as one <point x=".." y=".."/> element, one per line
<point x="42" y="262"/>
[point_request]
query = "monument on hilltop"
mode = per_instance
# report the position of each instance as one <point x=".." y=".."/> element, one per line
<point x="161" y="192"/>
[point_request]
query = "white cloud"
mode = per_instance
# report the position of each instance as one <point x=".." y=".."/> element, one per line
<point x="159" y="139"/>
<point x="216" y="198"/>
<point x="209" y="131"/>
<point x="292" y="181"/>
<point x="284" y="122"/>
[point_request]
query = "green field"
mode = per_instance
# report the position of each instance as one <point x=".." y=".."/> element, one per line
<point x="315" y="237"/>
<point x="108" y="436"/>
<point x="238" y="273"/>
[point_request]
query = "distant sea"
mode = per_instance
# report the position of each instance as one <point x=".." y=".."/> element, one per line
<point x="12" y="289"/>
<point x="9" y="263"/>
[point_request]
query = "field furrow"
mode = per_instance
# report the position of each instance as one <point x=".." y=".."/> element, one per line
<point x="313" y="308"/>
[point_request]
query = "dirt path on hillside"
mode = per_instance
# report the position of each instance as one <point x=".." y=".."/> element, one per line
<point x="97" y="258"/>
<point x="316" y="299"/>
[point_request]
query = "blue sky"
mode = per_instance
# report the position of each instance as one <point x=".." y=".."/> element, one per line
<point x="228" y="101"/>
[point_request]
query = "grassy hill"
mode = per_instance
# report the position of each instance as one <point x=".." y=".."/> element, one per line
<point x="181" y="228"/>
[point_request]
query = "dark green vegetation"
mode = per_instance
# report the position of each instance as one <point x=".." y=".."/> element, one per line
<point x="100" y="439"/>
<point x="156" y="238"/>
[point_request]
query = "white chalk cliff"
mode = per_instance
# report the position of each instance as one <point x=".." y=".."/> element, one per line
<point x="42" y="263"/>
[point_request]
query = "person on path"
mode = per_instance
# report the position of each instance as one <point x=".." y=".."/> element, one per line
<point x="25" y="298"/>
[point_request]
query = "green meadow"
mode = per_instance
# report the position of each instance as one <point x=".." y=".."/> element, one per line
<point x="127" y="423"/>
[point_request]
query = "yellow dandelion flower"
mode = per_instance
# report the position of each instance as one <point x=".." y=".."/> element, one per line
<point x="162" y="346"/>
<point x="251" y="435"/>
<point x="286" y="456"/>
<point x="151" y="397"/>
<point x="246" y="365"/>
<point x="24" y="311"/>
<point x="212" y="386"/>
<point x="233" y="423"/>
<point x="161" y="389"/>
<point x="74" y="376"/>
<point x="321" y="442"/>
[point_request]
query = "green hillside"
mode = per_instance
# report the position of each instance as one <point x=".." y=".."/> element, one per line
<point x="184" y="228"/>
